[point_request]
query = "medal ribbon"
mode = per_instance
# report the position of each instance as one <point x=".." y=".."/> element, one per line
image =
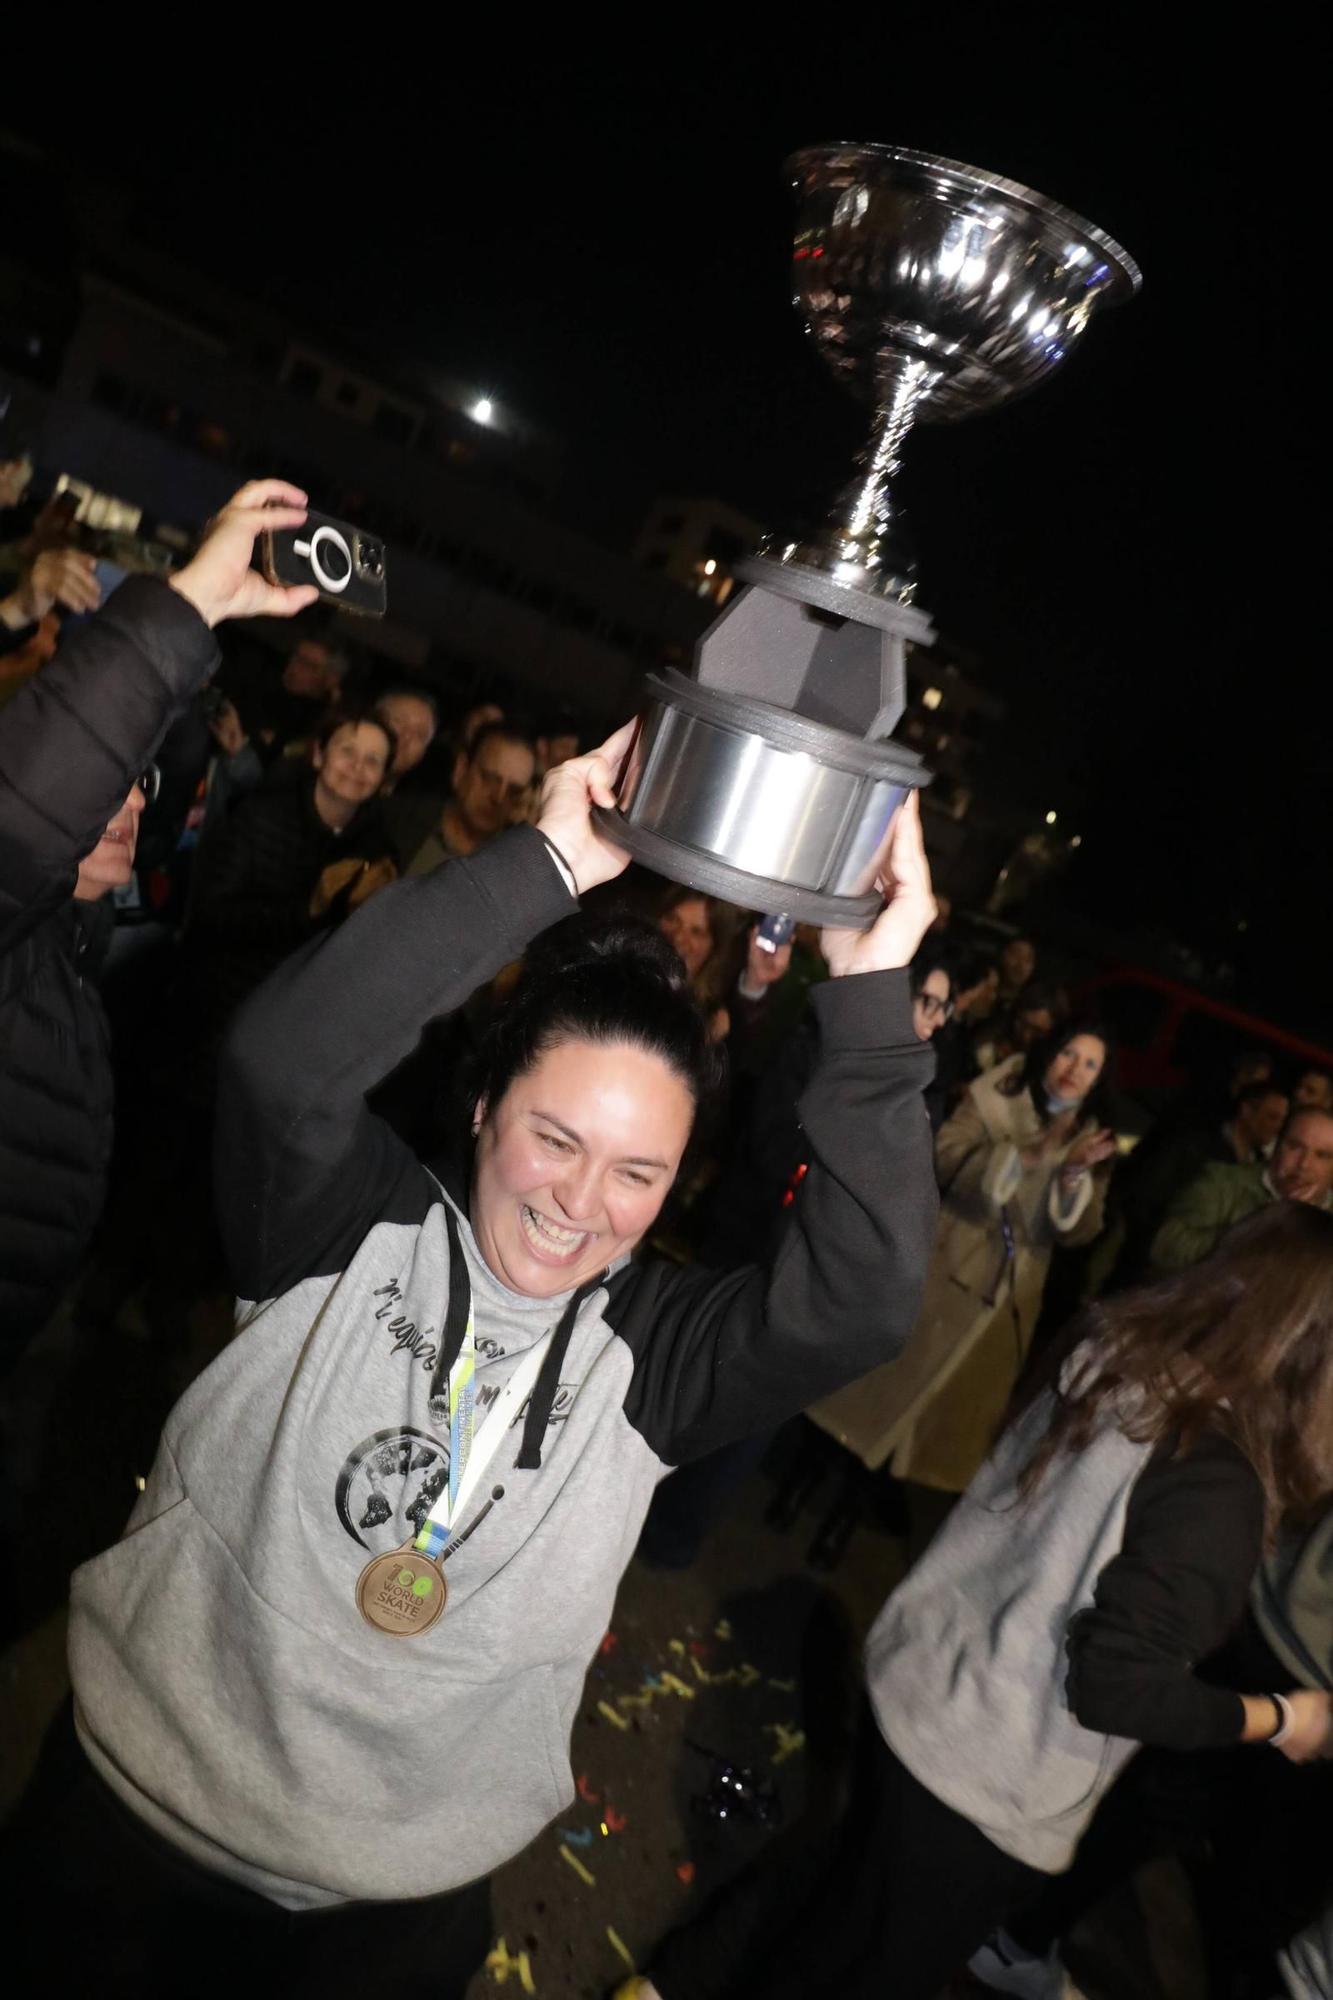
<point x="462" y="1413"/>
<point x="466" y="1466"/>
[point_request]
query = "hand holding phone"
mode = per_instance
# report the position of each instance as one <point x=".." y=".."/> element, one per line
<point x="345" y="563"/>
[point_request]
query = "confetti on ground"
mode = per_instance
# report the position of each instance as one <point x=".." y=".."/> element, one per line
<point x="605" y="1708"/>
<point x="790" y="1740"/>
<point x="585" y="1791"/>
<point x="500" y="1963"/>
<point x="783" y="1687"/>
<point x="614" y="1822"/>
<point x="698" y="1647"/>
<point x="608" y="1645"/>
<point x="653" y="1686"/>
<point x="744" y="1676"/>
<point x="677" y="1645"/>
<point x="685" y="1872"/>
<point x="620" y="1948"/>
<point x="584" y="1874"/>
<point x="722" y="1629"/>
<point x="580" y="1837"/>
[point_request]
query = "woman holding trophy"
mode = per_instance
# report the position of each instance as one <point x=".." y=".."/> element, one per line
<point x="325" y="1684"/>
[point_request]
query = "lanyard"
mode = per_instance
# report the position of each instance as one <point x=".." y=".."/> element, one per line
<point x="468" y="1461"/>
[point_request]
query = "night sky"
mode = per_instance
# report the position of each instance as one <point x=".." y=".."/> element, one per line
<point x="603" y="243"/>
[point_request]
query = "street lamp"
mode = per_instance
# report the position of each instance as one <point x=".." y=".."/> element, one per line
<point x="482" y="410"/>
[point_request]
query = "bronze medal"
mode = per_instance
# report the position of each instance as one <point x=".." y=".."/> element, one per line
<point x="402" y="1593"/>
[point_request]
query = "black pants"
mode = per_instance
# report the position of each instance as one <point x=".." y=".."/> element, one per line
<point x="102" y="1907"/>
<point x="895" y="1903"/>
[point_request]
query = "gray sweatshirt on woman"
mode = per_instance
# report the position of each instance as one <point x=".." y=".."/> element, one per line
<point x="1039" y="1642"/>
<point x="226" y="1686"/>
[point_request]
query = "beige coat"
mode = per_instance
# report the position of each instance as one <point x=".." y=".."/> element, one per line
<point x="934" y="1411"/>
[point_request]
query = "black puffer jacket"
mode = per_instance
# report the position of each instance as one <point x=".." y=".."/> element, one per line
<point x="72" y="743"/>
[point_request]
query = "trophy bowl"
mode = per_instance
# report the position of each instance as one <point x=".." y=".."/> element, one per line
<point x="900" y="256"/>
<point x="931" y="289"/>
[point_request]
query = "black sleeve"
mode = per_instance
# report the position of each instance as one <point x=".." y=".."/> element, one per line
<point x="720" y="1357"/>
<point x="304" y="1168"/>
<point x="77" y="735"/>
<point x="1193" y="1535"/>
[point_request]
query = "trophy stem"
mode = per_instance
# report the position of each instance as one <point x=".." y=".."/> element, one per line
<point x="863" y="531"/>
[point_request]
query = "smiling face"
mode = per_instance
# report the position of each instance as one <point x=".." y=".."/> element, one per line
<point x="689" y="928"/>
<point x="351" y="768"/>
<point x="1075" y="1070"/>
<point x="574" y="1163"/>
<point x="111" y="863"/>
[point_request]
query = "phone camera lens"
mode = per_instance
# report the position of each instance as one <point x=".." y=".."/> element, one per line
<point x="336" y="560"/>
<point x="370" y="559"/>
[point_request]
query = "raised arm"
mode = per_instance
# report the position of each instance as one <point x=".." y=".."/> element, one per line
<point x="717" y="1357"/>
<point x="78" y="734"/>
<point x="303" y="1167"/>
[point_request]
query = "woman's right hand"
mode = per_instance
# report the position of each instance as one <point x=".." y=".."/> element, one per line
<point x="1311" y="1734"/>
<point x="564" y="813"/>
<point x="1090" y="1150"/>
<point x="218" y="580"/>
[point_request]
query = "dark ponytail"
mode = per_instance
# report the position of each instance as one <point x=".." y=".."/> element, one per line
<point x="597" y="979"/>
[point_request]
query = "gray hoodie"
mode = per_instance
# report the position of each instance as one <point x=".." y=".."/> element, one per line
<point x="1038" y="1643"/>
<point x="226" y="1685"/>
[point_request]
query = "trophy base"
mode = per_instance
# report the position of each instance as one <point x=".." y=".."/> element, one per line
<point x="695" y="869"/>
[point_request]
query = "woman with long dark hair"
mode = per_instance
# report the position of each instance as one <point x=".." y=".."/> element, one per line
<point x="1023" y="1164"/>
<point x="704" y="933"/>
<point x="1054" y="1623"/>
<point x="325" y="1683"/>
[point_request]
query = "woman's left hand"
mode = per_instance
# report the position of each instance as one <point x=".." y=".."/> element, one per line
<point x="564" y="815"/>
<point x="1089" y="1151"/>
<point x="909" y="906"/>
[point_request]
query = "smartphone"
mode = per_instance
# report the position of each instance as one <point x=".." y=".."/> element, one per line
<point x="109" y="576"/>
<point x="774" y="932"/>
<point x="345" y="564"/>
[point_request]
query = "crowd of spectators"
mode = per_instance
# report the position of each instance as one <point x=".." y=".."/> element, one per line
<point x="292" y="790"/>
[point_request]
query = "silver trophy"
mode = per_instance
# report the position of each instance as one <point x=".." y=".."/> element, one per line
<point x="932" y="290"/>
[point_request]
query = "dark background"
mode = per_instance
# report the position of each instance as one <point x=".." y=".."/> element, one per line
<point x="594" y="228"/>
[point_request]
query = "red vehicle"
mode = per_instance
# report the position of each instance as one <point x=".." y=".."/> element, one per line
<point x="1169" y="1036"/>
